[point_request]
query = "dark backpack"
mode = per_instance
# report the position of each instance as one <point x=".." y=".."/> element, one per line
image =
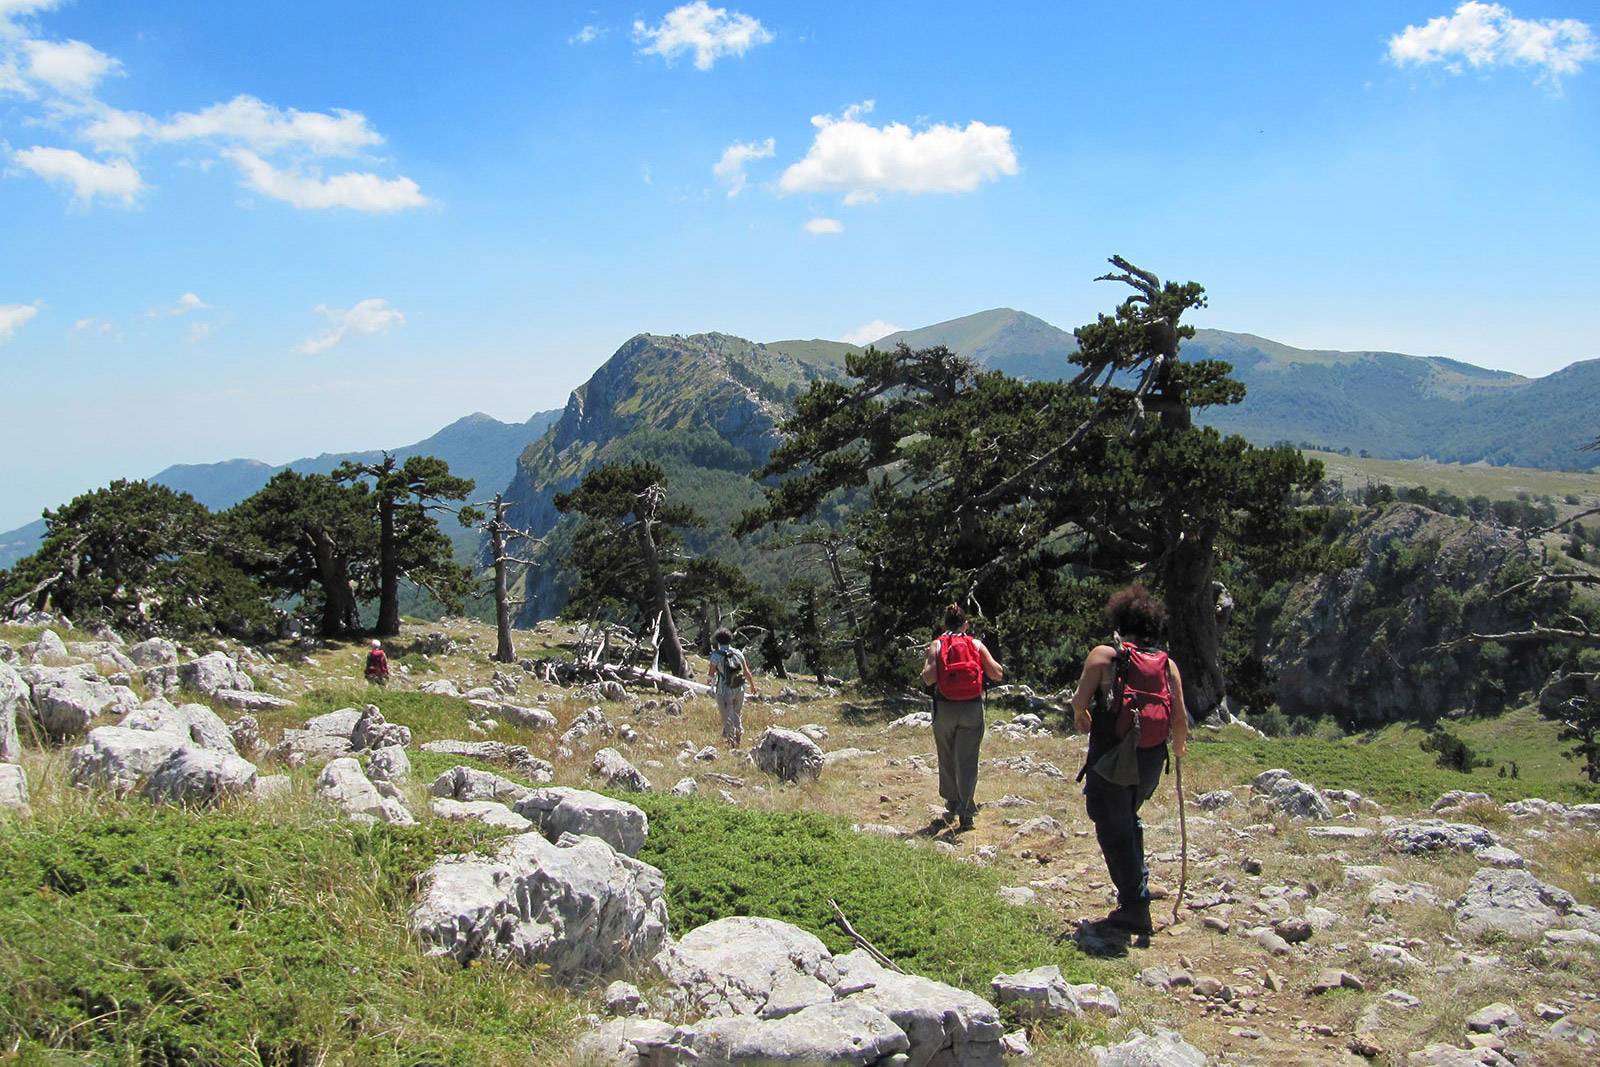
<point x="960" y="669"/>
<point x="730" y="667"/>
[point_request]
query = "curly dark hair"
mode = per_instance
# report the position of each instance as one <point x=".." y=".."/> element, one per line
<point x="954" y="617"/>
<point x="723" y="636"/>
<point x="1134" y="612"/>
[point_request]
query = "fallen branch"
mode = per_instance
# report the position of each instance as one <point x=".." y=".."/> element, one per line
<point x="665" y="682"/>
<point x="861" y="942"/>
<point x="1538" y="633"/>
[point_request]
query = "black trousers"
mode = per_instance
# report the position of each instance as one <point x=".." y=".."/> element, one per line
<point x="1114" y="810"/>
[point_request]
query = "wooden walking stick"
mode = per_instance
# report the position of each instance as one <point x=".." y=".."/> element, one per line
<point x="1183" y="837"/>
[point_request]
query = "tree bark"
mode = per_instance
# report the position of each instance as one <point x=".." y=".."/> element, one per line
<point x="1194" y="637"/>
<point x="388" y="567"/>
<point x="505" y="651"/>
<point x="340" y="614"/>
<point x="671" y="648"/>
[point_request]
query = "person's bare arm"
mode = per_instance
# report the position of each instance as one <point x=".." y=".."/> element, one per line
<point x="1180" y="714"/>
<point x="930" y="665"/>
<point x="749" y="678"/>
<point x="1094" y="674"/>
<point x="991" y="666"/>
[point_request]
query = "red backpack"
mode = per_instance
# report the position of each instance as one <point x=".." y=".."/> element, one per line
<point x="1141" y="685"/>
<point x="960" y="670"/>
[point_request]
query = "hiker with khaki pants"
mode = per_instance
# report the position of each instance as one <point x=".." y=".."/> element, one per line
<point x="956" y="665"/>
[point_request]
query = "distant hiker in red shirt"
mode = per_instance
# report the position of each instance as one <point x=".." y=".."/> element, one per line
<point x="956" y="666"/>
<point x="377" y="665"/>
<point x="1129" y="701"/>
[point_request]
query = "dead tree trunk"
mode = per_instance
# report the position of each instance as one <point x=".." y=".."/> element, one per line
<point x="858" y="643"/>
<point x="671" y="648"/>
<point x="504" y="651"/>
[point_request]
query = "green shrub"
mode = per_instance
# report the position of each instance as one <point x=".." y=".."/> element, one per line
<point x="140" y="936"/>
<point x="930" y="913"/>
<point x="1451" y="752"/>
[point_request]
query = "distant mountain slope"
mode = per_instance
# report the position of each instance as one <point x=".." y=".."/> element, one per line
<point x="1015" y="342"/>
<point x="703" y="407"/>
<point x="476" y="446"/>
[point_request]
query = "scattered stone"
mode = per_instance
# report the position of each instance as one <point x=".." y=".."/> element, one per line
<point x="1250" y="865"/>
<point x="389" y="764"/>
<point x="49" y="648"/>
<point x="1433" y="835"/>
<point x="1399" y="998"/>
<point x="844" y="755"/>
<point x="686" y="787"/>
<point x="14" y="697"/>
<point x="1297" y="800"/>
<point x="1214" y="800"/>
<point x="1216" y="923"/>
<point x="246" y="734"/>
<point x="271" y="786"/>
<point x="558" y="811"/>
<point x="623" y="998"/>
<point x="1572" y="938"/>
<point x="1293" y="931"/>
<point x="917" y="720"/>
<point x="1030" y="765"/>
<point x="200" y="778"/>
<point x="488" y="812"/>
<point x="1015" y="1045"/>
<point x="708" y="754"/>
<point x="1043" y="993"/>
<point x="1385" y="893"/>
<point x="1270" y="941"/>
<point x="66" y="699"/>
<point x="1386" y="955"/>
<point x="528" y="718"/>
<point x="339" y="723"/>
<point x="1518" y="905"/>
<point x="118" y="758"/>
<point x="373" y="731"/>
<point x="156" y="652"/>
<point x="1164" y="1048"/>
<point x="788" y="754"/>
<point x="250" y="700"/>
<point x="1499" y="856"/>
<point x="1332" y="978"/>
<point x="13" y="787"/>
<point x="1493" y="1019"/>
<point x="575" y="906"/>
<point x="1548" y="1012"/>
<point x="1567" y="1030"/>
<point x="470" y="784"/>
<point x="212" y="672"/>
<point x="1441" y="1055"/>
<point x="1340" y="833"/>
<point x="342" y="783"/>
<point x="1455" y="798"/>
<point x="815" y="731"/>
<point x="517" y="757"/>
<point x="618" y="772"/>
<point x="940" y="1020"/>
<point x="296" y="747"/>
<point x="1017" y="896"/>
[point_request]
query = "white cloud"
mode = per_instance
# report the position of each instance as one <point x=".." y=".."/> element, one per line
<point x="186" y="303"/>
<point x="371" y="316"/>
<point x="1489" y="35"/>
<point x="265" y="128"/>
<point x="709" y="32"/>
<point x="14" y="316"/>
<point x="15" y="9"/>
<point x="356" y="190"/>
<point x="730" y="168"/>
<point x="821" y="226"/>
<point x="117" y="179"/>
<point x="92" y="325"/>
<point x="588" y="35"/>
<point x="863" y="161"/>
<point x="870" y="331"/>
<point x="69" y="67"/>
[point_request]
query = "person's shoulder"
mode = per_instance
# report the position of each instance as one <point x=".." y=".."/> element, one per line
<point x="1102" y="654"/>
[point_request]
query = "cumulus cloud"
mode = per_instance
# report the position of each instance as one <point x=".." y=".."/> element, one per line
<point x="92" y="325"/>
<point x="729" y="170"/>
<point x="371" y="316"/>
<point x="588" y="35"/>
<point x="11" y="10"/>
<point x="1489" y="35"/>
<point x="821" y="226"/>
<point x="709" y="32"/>
<point x="862" y="161"/>
<point x="868" y="332"/>
<point x="356" y="190"/>
<point x="117" y="180"/>
<point x="184" y="305"/>
<point x="13" y="317"/>
<point x="69" y="67"/>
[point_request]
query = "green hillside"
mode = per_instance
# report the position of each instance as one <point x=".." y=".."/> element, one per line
<point x="1003" y="339"/>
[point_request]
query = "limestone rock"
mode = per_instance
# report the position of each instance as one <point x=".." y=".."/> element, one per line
<point x="846" y="1033"/>
<point x="1164" y="1048"/>
<point x="1457" y="797"/>
<point x="945" y="1025"/>
<point x="1494" y="1018"/>
<point x="156" y="652"/>
<point x="748" y="966"/>
<point x="1297" y="800"/>
<point x="623" y="998"/>
<point x="470" y="784"/>
<point x="250" y="700"/>
<point x="558" y="810"/>
<point x="342" y="783"/>
<point x="686" y="787"/>
<point x="1517" y="904"/>
<point x="1434" y="835"/>
<point x="623" y="1043"/>
<point x="246" y="734"/>
<point x="528" y="718"/>
<point x="1214" y="800"/>
<point x="296" y="747"/>
<point x="788" y="754"/>
<point x="49" y="648"/>
<point x="917" y="720"/>
<point x="13" y="787"/>
<point x="194" y="724"/>
<point x="1043" y="994"/>
<point x="1441" y="1055"/>
<point x="517" y="757"/>
<point x="66" y="699"/>
<point x="1332" y="978"/>
<point x="118" y="758"/>
<point x="487" y="812"/>
<point x="213" y="671"/>
<point x="372" y="730"/>
<point x="389" y="764"/>
<point x="439" y="687"/>
<point x="200" y="778"/>
<point x="576" y="906"/>
<point x="618" y="772"/>
<point x="14" y="697"/>
<point x="334" y="723"/>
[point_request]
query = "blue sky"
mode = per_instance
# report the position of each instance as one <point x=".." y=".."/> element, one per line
<point x="271" y="230"/>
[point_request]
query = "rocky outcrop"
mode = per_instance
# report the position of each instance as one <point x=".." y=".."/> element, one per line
<point x="788" y="754"/>
<point x="66" y="699"/>
<point x="343" y="784"/>
<point x="201" y="778"/>
<point x="1345" y="643"/>
<point x="748" y="966"/>
<point x="517" y="757"/>
<point x="575" y="906"/>
<point x="618" y="773"/>
<point x="558" y="811"/>
<point x="847" y="1033"/>
<point x="212" y="672"/>
<point x="14" y="699"/>
<point x="470" y="784"/>
<point x="1516" y="904"/>
<point x="1164" y="1048"/>
<point x="1043" y="993"/>
<point x="13" y="787"/>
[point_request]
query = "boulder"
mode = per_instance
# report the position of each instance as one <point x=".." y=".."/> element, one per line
<point x="250" y="700"/>
<point x="748" y="966"/>
<point x="1164" y="1048"/>
<point x="342" y="783"/>
<point x="1434" y="835"/>
<point x="118" y="758"/>
<point x="848" y="1033"/>
<point x="575" y="906"/>
<point x="389" y="764"/>
<point x="788" y="754"/>
<point x="559" y="810"/>
<point x="439" y="687"/>
<point x="1457" y="797"/>
<point x="193" y="724"/>
<point x="1442" y="1055"/>
<point x="917" y="720"/>
<point x="13" y="787"/>
<point x="1214" y="800"/>
<point x="66" y="699"/>
<point x="945" y="1025"/>
<point x="339" y="723"/>
<point x="213" y="671"/>
<point x="246" y="733"/>
<point x="517" y="757"/>
<point x="1043" y="994"/>
<point x="469" y="784"/>
<point x="373" y="731"/>
<point x="1298" y="800"/>
<point x="49" y="648"/>
<point x="1494" y="1018"/>
<point x="528" y="718"/>
<point x="200" y="778"/>
<point x="623" y="1043"/>
<point x="623" y="998"/>
<point x="611" y="765"/>
<point x="300" y="746"/>
<point x="156" y="652"/>
<point x="686" y="787"/>
<point x="13" y="698"/>
<point x="161" y="680"/>
<point x="1515" y="903"/>
<point x="105" y="655"/>
<point x="487" y="812"/>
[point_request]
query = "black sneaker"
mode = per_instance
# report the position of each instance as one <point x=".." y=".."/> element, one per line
<point x="1133" y="920"/>
<point x="966" y="823"/>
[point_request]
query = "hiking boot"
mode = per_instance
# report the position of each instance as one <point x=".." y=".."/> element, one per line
<point x="1134" y="920"/>
<point x="965" y="824"/>
<point x="940" y="823"/>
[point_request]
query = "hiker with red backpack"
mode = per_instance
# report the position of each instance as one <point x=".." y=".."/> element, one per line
<point x="956" y="665"/>
<point x="1130" y="703"/>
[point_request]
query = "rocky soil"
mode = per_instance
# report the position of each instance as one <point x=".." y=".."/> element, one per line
<point x="1316" y="928"/>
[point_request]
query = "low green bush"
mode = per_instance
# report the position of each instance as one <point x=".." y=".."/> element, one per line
<point x="139" y="936"/>
<point x="930" y="913"/>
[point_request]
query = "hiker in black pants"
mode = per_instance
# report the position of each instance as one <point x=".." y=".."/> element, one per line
<point x="956" y="665"/>
<point x="1136" y="695"/>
